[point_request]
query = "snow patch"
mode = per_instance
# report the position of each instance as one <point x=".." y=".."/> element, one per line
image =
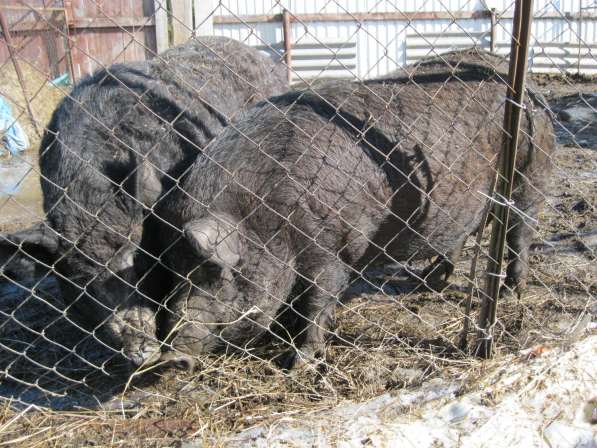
<point x="538" y="402"/>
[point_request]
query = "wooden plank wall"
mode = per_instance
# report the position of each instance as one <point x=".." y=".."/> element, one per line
<point x="102" y="32"/>
<point x="38" y="42"/>
<point x="109" y="31"/>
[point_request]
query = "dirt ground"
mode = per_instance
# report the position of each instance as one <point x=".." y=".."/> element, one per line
<point x="384" y="342"/>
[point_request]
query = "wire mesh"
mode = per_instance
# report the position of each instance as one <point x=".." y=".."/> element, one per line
<point x="197" y="242"/>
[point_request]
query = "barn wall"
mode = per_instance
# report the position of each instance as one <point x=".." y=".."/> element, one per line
<point x="100" y="32"/>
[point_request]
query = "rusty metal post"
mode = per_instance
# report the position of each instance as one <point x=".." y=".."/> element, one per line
<point x="286" y="28"/>
<point x="492" y="37"/>
<point x="472" y="275"/>
<point x="513" y="109"/>
<point x="68" y="42"/>
<point x="17" y="67"/>
<point x="579" y="31"/>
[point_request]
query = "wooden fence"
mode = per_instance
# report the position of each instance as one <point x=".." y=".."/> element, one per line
<point x="78" y="36"/>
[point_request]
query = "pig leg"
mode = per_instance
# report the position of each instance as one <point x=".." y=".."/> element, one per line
<point x="443" y="267"/>
<point x="520" y="235"/>
<point x="186" y="334"/>
<point x="440" y="269"/>
<point x="317" y="305"/>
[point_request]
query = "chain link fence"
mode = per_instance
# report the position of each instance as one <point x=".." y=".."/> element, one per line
<point x="194" y="247"/>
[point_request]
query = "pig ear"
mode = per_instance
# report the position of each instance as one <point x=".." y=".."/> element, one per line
<point x="216" y="238"/>
<point x="145" y="184"/>
<point x="124" y="258"/>
<point x="150" y="186"/>
<point x="22" y="252"/>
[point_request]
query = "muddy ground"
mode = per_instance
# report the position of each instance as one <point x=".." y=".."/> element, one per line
<point x="384" y="342"/>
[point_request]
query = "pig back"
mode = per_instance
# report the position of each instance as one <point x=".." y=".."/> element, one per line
<point x="438" y="144"/>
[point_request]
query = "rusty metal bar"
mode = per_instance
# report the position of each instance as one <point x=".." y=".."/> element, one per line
<point x="472" y="276"/>
<point x="579" y="32"/>
<point x="88" y="24"/>
<point x="287" y="29"/>
<point x="359" y="16"/>
<point x="68" y="43"/>
<point x="493" y="37"/>
<point x="29" y="8"/>
<point x="513" y="110"/>
<point x="381" y="16"/>
<point x="17" y="67"/>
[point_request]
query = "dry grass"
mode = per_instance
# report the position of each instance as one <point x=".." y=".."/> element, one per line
<point x="382" y="345"/>
<point x="44" y="97"/>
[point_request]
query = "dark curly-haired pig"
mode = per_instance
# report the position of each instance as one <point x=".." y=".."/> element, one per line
<point x="117" y="142"/>
<point x="313" y="186"/>
<point x="528" y="191"/>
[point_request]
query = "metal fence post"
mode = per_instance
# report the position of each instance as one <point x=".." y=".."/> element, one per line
<point x="203" y="17"/>
<point x="161" y="25"/>
<point x="579" y="38"/>
<point x="286" y="27"/>
<point x="68" y="40"/>
<point x="513" y="109"/>
<point x="492" y="40"/>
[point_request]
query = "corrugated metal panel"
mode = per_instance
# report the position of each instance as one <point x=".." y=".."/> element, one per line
<point x="381" y="46"/>
<point x="563" y="57"/>
<point x="387" y="39"/>
<point x="256" y="34"/>
<point x="441" y="43"/>
<point x="250" y="7"/>
<point x="247" y="7"/>
<point x="559" y="58"/>
<point x="428" y="37"/>
<point x="329" y="59"/>
<point x="328" y="38"/>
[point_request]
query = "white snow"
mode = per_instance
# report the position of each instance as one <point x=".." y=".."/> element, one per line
<point x="521" y="402"/>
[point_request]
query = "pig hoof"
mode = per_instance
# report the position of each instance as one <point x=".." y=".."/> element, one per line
<point x="308" y="364"/>
<point x="435" y="276"/>
<point x="505" y="292"/>
<point x="136" y="359"/>
<point x="145" y="357"/>
<point x="312" y="369"/>
<point x="286" y="360"/>
<point x="179" y="361"/>
<point x="508" y="292"/>
<point x="304" y="360"/>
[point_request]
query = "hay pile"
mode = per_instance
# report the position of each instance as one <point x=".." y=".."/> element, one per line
<point x="383" y="346"/>
<point x="44" y="97"/>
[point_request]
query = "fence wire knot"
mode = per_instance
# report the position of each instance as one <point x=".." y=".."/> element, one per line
<point x="519" y="105"/>
<point x="504" y="202"/>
